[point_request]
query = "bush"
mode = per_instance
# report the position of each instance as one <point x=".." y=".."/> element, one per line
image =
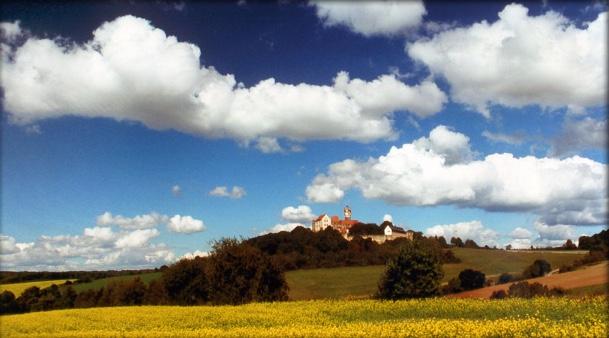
<point x="414" y="273"/>
<point x="505" y="278"/>
<point x="525" y="289"/>
<point x="471" y="279"/>
<point x="8" y="303"/>
<point x="448" y="256"/>
<point x="499" y="294"/>
<point x="538" y="269"/>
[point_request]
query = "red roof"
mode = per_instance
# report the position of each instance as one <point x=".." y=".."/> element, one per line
<point x="319" y="218"/>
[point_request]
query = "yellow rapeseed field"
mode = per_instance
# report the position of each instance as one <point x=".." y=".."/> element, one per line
<point x="18" y="288"/>
<point x="541" y="317"/>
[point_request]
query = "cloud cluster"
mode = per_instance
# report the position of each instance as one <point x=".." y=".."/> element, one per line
<point x="299" y="214"/>
<point x="422" y="173"/>
<point x="222" y="191"/>
<point x="513" y="139"/>
<point x="473" y="230"/>
<point x="138" y="222"/>
<point x="372" y="17"/>
<point x="545" y="236"/>
<point x="100" y="247"/>
<point x="136" y="72"/>
<point x="185" y="224"/>
<point x="96" y="248"/>
<point x="176" y="190"/>
<point x="520" y="60"/>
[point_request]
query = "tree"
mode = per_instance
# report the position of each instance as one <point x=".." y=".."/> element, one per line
<point x="569" y="245"/>
<point x="538" y="269"/>
<point x="186" y="282"/>
<point x="469" y="243"/>
<point x="508" y="247"/>
<point x="456" y="241"/>
<point x="8" y="304"/>
<point x="240" y="273"/>
<point x="471" y="279"/>
<point x="414" y="273"/>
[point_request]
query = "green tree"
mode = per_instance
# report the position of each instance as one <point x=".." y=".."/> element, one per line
<point x="538" y="269"/>
<point x="471" y="279"/>
<point x="414" y="273"/>
<point x="240" y="273"/>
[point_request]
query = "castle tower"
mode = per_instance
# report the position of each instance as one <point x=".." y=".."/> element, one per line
<point x="347" y="212"/>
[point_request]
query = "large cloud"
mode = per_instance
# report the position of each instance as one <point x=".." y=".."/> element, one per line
<point x="136" y="72"/>
<point x="96" y="248"/>
<point x="561" y="191"/>
<point x="473" y="230"/>
<point x="372" y="17"/>
<point x="520" y="60"/>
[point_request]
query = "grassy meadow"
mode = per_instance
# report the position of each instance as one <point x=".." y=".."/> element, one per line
<point x="99" y="283"/>
<point x="539" y="317"/>
<point x="18" y="288"/>
<point x="361" y="282"/>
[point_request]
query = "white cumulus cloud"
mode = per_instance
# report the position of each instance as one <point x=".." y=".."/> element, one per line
<point x="473" y="230"/>
<point x="137" y="72"/>
<point x="222" y="191"/>
<point x="521" y="60"/>
<point x="138" y="222"/>
<point x="521" y="233"/>
<point x="371" y="18"/>
<point x="387" y="218"/>
<point x="300" y="214"/>
<point x="136" y="238"/>
<point x="185" y="224"/>
<point x="561" y="191"/>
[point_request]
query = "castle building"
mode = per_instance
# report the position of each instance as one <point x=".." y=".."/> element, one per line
<point x="340" y="225"/>
<point x="389" y="232"/>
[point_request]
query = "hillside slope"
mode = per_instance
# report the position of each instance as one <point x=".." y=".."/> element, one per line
<point x="587" y="276"/>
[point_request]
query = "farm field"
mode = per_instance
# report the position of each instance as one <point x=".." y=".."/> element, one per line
<point x="361" y="282"/>
<point x="588" y="276"/>
<point x="542" y="317"/>
<point x="18" y="288"/>
<point x="99" y="283"/>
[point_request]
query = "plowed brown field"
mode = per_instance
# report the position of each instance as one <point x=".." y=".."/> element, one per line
<point x="590" y="275"/>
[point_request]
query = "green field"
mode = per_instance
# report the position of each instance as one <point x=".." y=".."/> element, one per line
<point x="439" y="317"/>
<point x="99" y="283"/>
<point x="361" y="282"/>
<point x="18" y="288"/>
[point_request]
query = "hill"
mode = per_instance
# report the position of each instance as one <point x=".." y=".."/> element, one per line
<point x="18" y="288"/>
<point x="361" y="282"/>
<point x="594" y="275"/>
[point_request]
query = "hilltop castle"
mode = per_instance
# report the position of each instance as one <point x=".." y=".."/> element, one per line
<point x="389" y="231"/>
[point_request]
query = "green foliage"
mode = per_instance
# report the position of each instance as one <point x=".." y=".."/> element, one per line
<point x="471" y="279"/>
<point x="414" y="273"/>
<point x="525" y="289"/>
<point x="538" y="269"/>
<point x="240" y="273"/>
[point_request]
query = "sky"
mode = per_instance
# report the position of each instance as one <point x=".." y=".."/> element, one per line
<point x="136" y="133"/>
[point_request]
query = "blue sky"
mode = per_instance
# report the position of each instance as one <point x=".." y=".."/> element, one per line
<point x="111" y="122"/>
